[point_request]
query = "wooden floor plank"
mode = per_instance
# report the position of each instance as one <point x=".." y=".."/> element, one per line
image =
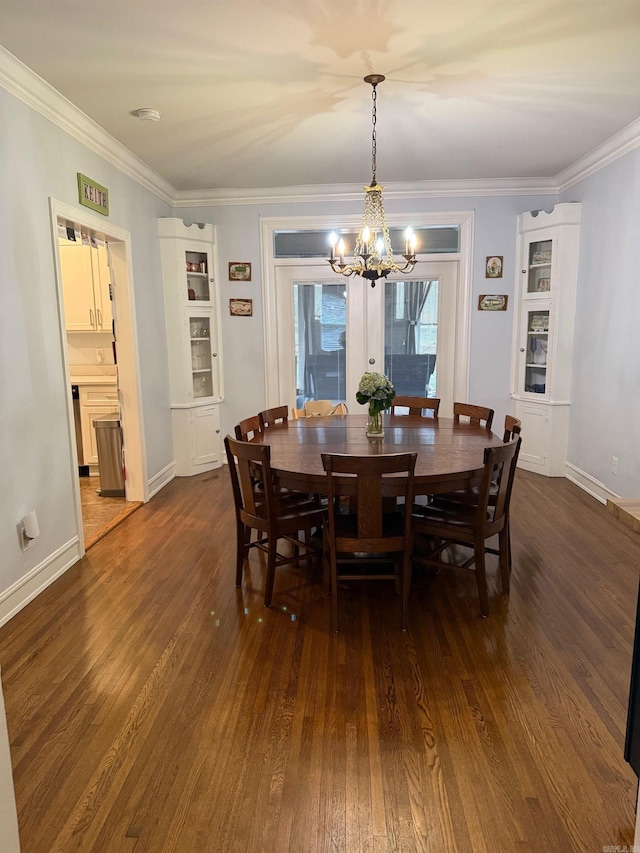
<point x="153" y="707"/>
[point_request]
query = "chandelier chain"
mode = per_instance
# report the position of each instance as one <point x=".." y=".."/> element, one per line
<point x="374" y="98"/>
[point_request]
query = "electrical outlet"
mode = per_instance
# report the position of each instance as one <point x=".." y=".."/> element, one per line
<point x="100" y="355"/>
<point x="614" y="464"/>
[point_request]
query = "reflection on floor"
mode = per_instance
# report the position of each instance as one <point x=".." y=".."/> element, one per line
<point x="100" y="515"/>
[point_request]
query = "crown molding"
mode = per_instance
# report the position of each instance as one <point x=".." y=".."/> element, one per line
<point x="20" y="81"/>
<point x="616" y="146"/>
<point x="353" y="192"/>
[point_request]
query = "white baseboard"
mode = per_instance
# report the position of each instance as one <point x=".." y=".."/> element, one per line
<point x="24" y="590"/>
<point x="589" y="484"/>
<point x="160" y="480"/>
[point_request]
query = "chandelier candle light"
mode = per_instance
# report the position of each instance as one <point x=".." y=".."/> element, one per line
<point x="376" y="390"/>
<point x="372" y="255"/>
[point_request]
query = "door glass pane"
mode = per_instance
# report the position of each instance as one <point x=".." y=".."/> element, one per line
<point x="411" y="336"/>
<point x="539" y="280"/>
<point x="320" y="312"/>
<point x="535" y="379"/>
<point x="201" y="367"/>
<point x="197" y="266"/>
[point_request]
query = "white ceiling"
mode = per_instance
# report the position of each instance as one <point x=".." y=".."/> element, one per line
<point x="269" y="93"/>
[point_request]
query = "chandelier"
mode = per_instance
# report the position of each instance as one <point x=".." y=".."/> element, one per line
<point x="372" y="254"/>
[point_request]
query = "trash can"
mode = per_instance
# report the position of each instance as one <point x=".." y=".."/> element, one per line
<point x="109" y="444"/>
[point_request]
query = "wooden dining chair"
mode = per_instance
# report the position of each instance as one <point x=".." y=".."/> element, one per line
<point x="512" y="427"/>
<point x="263" y="510"/>
<point x="297" y="413"/>
<point x="248" y="428"/>
<point x="471" y="525"/>
<point x="416" y="405"/>
<point x="381" y="536"/>
<point x="279" y="414"/>
<point x="474" y="415"/>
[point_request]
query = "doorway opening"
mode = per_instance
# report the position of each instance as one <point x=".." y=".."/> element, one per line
<point x="98" y="336"/>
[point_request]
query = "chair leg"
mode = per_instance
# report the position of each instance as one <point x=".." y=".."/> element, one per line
<point x="505" y="557"/>
<point x="334" y="591"/>
<point x="406" y="585"/>
<point x="481" y="578"/>
<point x="243" y="536"/>
<point x="272" y="553"/>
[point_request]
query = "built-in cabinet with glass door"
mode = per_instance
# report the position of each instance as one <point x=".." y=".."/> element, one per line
<point x="193" y="328"/>
<point x="547" y="257"/>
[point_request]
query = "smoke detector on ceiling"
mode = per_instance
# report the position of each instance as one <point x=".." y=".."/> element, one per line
<point x="146" y="114"/>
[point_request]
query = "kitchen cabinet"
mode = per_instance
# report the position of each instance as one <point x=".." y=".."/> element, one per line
<point x="192" y="313"/>
<point x="547" y="257"/>
<point x="85" y="284"/>
<point x="95" y="400"/>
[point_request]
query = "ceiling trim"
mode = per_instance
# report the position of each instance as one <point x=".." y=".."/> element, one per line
<point x="353" y="192"/>
<point x="617" y="146"/>
<point x="19" y="80"/>
<point x="28" y="87"/>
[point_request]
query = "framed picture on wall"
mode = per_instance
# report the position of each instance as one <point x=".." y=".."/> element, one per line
<point x="239" y="271"/>
<point x="494" y="266"/>
<point x="241" y="307"/>
<point x="493" y="302"/>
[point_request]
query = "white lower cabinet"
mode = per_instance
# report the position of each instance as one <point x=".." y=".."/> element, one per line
<point x="196" y="439"/>
<point x="546" y="429"/>
<point x="95" y="400"/>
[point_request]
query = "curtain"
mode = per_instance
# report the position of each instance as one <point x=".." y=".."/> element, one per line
<point x="415" y="296"/>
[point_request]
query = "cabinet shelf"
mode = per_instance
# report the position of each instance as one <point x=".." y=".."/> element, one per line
<point x="537" y="366"/>
<point x="539" y="266"/>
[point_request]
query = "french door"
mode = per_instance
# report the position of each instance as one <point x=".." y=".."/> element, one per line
<point x="330" y="330"/>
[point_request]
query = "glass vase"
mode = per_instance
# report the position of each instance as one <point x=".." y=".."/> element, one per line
<point x="375" y="429"/>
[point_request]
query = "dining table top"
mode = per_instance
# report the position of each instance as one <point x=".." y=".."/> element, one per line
<point x="449" y="455"/>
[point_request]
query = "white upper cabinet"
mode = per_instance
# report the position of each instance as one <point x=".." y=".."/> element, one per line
<point x="85" y="283"/>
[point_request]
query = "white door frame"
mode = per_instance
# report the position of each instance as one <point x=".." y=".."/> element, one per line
<point x="136" y="484"/>
<point x="268" y="227"/>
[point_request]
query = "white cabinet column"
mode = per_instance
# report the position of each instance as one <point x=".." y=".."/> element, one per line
<point x="192" y="309"/>
<point x="547" y="257"/>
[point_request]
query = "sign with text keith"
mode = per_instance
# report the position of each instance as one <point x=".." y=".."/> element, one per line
<point x="93" y="195"/>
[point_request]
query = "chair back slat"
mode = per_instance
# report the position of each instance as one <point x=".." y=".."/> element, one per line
<point x="512" y="427"/>
<point x="279" y="414"/>
<point x="248" y="428"/>
<point x="500" y="466"/>
<point x="476" y="415"/>
<point x="416" y="405"/>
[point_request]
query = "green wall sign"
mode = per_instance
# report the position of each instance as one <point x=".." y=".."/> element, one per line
<point x="93" y="195"/>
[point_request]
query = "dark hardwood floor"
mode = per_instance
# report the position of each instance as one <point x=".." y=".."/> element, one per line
<point x="101" y="514"/>
<point x="153" y="707"/>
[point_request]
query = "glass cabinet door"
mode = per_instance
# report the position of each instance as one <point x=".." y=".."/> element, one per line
<point x="201" y="356"/>
<point x="539" y="266"/>
<point x="197" y="267"/>
<point x="535" y="368"/>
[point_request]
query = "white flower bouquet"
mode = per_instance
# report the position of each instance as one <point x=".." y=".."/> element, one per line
<point x="376" y="390"/>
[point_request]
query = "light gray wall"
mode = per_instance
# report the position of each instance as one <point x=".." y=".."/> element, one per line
<point x="38" y="160"/>
<point x="605" y="410"/>
<point x="238" y="232"/>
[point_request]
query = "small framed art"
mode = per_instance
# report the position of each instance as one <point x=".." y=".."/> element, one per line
<point x="241" y="307"/>
<point x="239" y="271"/>
<point x="493" y="302"/>
<point x="493" y="266"/>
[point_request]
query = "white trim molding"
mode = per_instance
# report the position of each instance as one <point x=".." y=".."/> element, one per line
<point x="27" y="587"/>
<point x="589" y="484"/>
<point x="161" y="479"/>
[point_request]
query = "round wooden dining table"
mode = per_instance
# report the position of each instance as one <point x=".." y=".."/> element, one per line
<point x="449" y="456"/>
